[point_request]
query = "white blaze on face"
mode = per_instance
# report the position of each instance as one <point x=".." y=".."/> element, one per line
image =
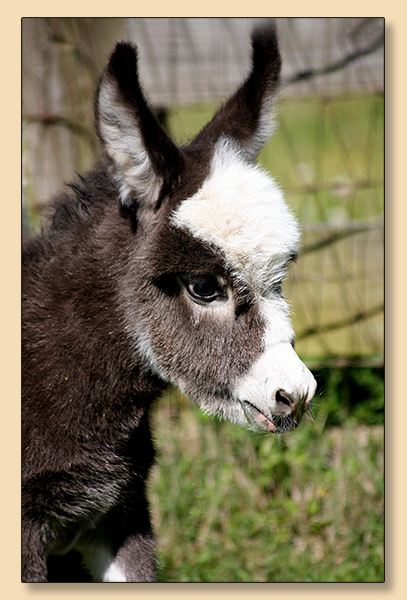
<point x="240" y="209"/>
<point x="277" y="368"/>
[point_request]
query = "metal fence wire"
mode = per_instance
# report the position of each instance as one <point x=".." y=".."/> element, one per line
<point x="327" y="151"/>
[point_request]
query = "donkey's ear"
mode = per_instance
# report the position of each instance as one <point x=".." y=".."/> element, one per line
<point x="246" y="118"/>
<point x="145" y="158"/>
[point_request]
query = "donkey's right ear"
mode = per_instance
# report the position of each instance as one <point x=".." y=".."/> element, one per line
<point x="145" y="158"/>
<point x="245" y="119"/>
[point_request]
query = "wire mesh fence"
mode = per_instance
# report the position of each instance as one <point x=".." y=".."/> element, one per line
<point x="327" y="151"/>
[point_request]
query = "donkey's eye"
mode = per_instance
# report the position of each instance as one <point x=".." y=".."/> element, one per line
<point x="203" y="288"/>
<point x="206" y="290"/>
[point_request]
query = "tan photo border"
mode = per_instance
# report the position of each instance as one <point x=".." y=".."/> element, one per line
<point x="396" y="277"/>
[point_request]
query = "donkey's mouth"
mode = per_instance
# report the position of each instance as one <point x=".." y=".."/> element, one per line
<point x="273" y="423"/>
<point x="260" y="418"/>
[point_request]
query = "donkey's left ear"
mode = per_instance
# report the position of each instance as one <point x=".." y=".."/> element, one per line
<point x="145" y="158"/>
<point x="246" y="118"/>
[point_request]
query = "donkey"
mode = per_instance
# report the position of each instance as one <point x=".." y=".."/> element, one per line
<point x="161" y="266"/>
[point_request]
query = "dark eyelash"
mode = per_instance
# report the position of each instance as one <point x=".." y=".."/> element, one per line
<point x="293" y="257"/>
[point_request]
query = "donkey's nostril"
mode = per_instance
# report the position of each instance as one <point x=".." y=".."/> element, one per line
<point x="285" y="403"/>
<point x="283" y="398"/>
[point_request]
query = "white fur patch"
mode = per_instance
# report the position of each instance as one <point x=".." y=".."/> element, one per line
<point x="101" y="563"/>
<point x="276" y="315"/>
<point x="114" y="574"/>
<point x="242" y="210"/>
<point x="265" y="129"/>
<point x="124" y="143"/>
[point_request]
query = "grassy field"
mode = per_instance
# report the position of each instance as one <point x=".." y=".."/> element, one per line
<point x="232" y="506"/>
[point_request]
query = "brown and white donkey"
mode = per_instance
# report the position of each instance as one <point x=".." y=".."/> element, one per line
<point x="161" y="266"/>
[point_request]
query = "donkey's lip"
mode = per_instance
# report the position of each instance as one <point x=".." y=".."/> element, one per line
<point x="260" y="417"/>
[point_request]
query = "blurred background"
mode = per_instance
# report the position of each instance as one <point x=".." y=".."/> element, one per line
<point x="229" y="505"/>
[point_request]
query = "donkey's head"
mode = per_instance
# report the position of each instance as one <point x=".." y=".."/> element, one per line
<point x="213" y="238"/>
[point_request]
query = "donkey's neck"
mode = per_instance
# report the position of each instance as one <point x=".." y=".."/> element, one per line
<point x="76" y="279"/>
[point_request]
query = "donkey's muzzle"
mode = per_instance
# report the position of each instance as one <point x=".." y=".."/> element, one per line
<point x="277" y="391"/>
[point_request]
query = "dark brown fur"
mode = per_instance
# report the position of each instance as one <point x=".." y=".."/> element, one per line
<point x="103" y="267"/>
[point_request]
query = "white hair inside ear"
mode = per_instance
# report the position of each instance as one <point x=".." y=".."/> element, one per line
<point x="121" y="133"/>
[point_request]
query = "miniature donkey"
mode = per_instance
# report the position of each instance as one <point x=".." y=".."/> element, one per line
<point x="161" y="266"/>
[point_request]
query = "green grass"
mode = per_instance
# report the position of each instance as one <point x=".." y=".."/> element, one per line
<point x="232" y="506"/>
